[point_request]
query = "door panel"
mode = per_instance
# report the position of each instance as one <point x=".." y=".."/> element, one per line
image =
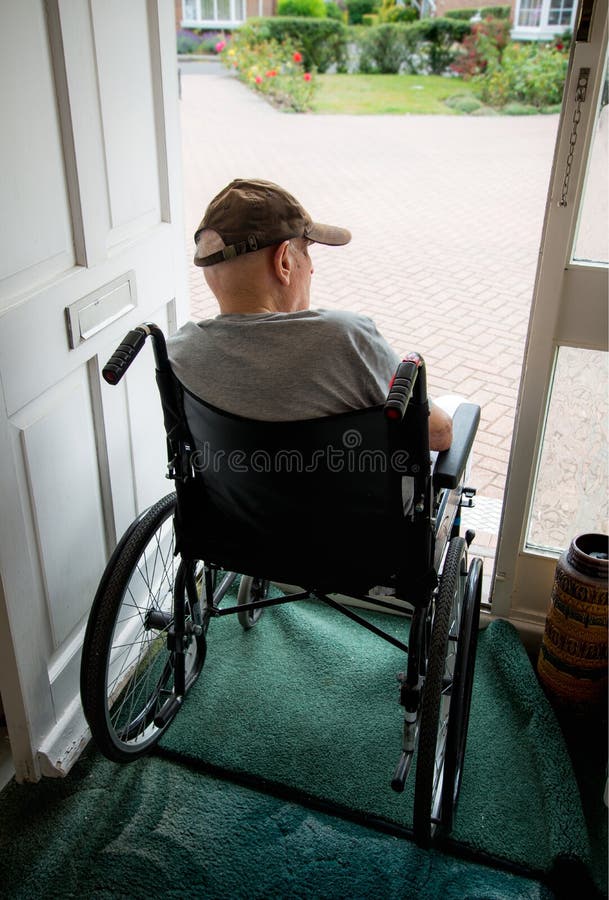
<point x="36" y="237"/>
<point x="94" y="236"/>
<point x="60" y="460"/>
<point x="129" y="128"/>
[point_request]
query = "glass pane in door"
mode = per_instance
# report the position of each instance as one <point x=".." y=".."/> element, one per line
<point x="571" y="491"/>
<point x="592" y="238"/>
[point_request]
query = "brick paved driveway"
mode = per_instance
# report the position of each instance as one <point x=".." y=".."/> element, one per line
<point x="446" y="215"/>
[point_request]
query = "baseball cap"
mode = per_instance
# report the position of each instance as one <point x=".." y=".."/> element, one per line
<point x="250" y="215"/>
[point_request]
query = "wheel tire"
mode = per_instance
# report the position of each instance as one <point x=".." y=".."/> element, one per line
<point x="127" y="667"/>
<point x="461" y="699"/>
<point x="435" y="706"/>
<point x="250" y="589"/>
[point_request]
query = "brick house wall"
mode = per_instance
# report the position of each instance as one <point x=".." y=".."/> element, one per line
<point x="265" y="8"/>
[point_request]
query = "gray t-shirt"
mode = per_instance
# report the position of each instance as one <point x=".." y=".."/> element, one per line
<point x="282" y="366"/>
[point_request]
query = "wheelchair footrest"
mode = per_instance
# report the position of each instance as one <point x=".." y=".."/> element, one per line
<point x="401" y="772"/>
<point x="168" y="710"/>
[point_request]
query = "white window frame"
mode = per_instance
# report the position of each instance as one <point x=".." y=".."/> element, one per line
<point x="232" y="22"/>
<point x="543" y="31"/>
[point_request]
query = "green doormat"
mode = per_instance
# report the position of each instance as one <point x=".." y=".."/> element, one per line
<point x="154" y="829"/>
<point x="307" y="700"/>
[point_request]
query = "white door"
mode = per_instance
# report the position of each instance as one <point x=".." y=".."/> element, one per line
<point x="557" y="482"/>
<point x="91" y="244"/>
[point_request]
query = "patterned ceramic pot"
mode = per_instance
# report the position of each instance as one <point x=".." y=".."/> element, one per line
<point x="572" y="662"/>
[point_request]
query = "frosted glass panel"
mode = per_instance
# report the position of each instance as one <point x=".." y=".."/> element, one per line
<point x="571" y="492"/>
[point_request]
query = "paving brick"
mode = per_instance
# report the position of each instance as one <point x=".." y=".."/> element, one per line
<point x="446" y="225"/>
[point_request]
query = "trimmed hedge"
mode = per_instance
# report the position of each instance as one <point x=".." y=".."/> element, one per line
<point x="314" y="9"/>
<point x="322" y="42"/>
<point x="496" y="12"/>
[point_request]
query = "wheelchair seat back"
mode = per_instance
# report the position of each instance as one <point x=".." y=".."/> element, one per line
<point x="314" y="502"/>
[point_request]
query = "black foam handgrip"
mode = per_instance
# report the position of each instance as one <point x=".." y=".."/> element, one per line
<point x="400" y="391"/>
<point x="124" y="355"/>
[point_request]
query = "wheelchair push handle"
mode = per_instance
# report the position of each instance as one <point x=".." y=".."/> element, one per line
<point x="129" y="348"/>
<point x="410" y="371"/>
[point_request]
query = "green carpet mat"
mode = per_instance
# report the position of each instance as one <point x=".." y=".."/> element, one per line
<point x="308" y="700"/>
<point x="155" y="829"/>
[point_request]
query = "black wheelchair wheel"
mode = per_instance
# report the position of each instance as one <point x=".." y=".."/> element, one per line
<point x="128" y="662"/>
<point x="250" y="590"/>
<point x="461" y="698"/>
<point x="437" y="693"/>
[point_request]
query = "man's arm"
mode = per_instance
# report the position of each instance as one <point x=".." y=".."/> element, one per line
<point x="440" y="428"/>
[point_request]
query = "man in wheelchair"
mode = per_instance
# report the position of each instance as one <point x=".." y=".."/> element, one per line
<point x="300" y="447"/>
<point x="268" y="355"/>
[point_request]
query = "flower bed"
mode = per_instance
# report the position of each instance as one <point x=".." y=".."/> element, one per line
<point x="274" y="69"/>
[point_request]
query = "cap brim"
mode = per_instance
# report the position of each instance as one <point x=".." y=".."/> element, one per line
<point x="328" y="234"/>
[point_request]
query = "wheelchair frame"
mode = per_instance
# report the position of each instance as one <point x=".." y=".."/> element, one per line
<point x="139" y="662"/>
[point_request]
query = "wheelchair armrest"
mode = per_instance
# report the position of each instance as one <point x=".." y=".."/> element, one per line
<point x="450" y="464"/>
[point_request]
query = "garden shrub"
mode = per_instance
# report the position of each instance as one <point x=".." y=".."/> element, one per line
<point x="465" y="103"/>
<point x="274" y="69"/>
<point x="519" y="109"/>
<point x="385" y="48"/>
<point x="496" y="12"/>
<point x="200" y="42"/>
<point x="314" y="9"/>
<point x="322" y="42"/>
<point x="389" y="11"/>
<point x="533" y="74"/>
<point x="426" y="45"/>
<point x="484" y="45"/>
<point x="187" y="41"/>
<point x="333" y="11"/>
<point x="437" y="39"/>
<point x="357" y="9"/>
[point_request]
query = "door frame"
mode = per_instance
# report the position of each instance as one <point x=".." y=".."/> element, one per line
<point x="523" y="577"/>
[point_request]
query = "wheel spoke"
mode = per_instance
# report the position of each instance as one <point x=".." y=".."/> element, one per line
<point x="128" y="662"/>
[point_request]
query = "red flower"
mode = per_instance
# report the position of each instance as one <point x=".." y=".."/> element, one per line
<point x="220" y="46"/>
<point x="307" y="76"/>
<point x="560" y="46"/>
<point x="258" y="79"/>
<point x="271" y="73"/>
<point x="297" y="57"/>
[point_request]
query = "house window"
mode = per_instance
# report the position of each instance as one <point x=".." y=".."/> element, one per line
<point x="207" y="13"/>
<point x="530" y="13"/>
<point x="560" y="12"/>
<point x="542" y="20"/>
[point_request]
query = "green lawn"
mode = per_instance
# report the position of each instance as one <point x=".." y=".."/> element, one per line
<point x="398" y="94"/>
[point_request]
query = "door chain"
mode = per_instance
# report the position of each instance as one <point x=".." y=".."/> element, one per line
<point x="580" y="97"/>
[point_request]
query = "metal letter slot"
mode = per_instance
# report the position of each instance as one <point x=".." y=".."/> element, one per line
<point x="90" y="314"/>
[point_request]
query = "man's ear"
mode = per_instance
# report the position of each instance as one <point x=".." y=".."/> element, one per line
<point x="282" y="263"/>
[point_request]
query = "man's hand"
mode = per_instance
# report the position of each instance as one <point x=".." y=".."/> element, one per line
<point x="440" y="428"/>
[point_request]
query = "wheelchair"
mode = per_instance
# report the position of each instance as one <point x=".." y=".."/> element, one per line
<point x="336" y="506"/>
